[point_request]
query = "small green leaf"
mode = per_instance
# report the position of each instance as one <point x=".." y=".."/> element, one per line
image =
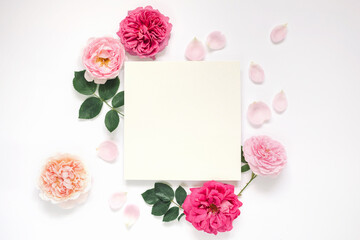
<point x="171" y="214"/>
<point x="180" y="195"/>
<point x="118" y="100"/>
<point x="108" y="90"/>
<point x="164" y="192"/>
<point x="111" y="120"/>
<point x="181" y="215"/>
<point x="160" y="208"/>
<point x="82" y="85"/>
<point x="242" y="156"/>
<point x="149" y="196"/>
<point x="245" y="168"/>
<point x="90" y="108"/>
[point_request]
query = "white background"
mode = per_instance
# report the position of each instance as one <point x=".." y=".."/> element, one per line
<point x="315" y="197"/>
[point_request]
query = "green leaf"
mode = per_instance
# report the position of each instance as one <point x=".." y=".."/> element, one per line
<point x="111" y="120"/>
<point x="90" y="108"/>
<point x="160" y="208"/>
<point x="108" y="90"/>
<point x="82" y="85"/>
<point x="242" y="156"/>
<point x="164" y="192"/>
<point x="171" y="214"/>
<point x="149" y="196"/>
<point x="180" y="195"/>
<point x="118" y="100"/>
<point x="181" y="215"/>
<point x="245" y="168"/>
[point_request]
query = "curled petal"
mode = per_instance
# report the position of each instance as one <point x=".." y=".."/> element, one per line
<point x="256" y="73"/>
<point x="108" y="151"/>
<point x="195" y="51"/>
<point x="258" y="113"/>
<point x="280" y="102"/>
<point x="279" y="33"/>
<point x="117" y="200"/>
<point x="216" y="40"/>
<point x="131" y="215"/>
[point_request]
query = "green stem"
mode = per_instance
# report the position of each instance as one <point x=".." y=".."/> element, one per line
<point x="253" y="176"/>
<point x="120" y="113"/>
<point x="176" y="204"/>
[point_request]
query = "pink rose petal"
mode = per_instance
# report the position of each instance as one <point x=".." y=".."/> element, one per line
<point x="279" y="33"/>
<point x="117" y="200"/>
<point x="256" y="73"/>
<point x="131" y="215"/>
<point x="280" y="102"/>
<point x="216" y="40"/>
<point x="195" y="51"/>
<point x="258" y="113"/>
<point x="108" y="151"/>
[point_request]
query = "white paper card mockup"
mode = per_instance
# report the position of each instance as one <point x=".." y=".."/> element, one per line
<point x="182" y="121"/>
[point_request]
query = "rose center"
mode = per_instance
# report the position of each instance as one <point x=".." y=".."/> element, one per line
<point x="213" y="208"/>
<point x="103" y="61"/>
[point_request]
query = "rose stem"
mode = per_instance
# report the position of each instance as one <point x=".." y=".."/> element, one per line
<point x="176" y="204"/>
<point x="253" y="176"/>
<point x="121" y="114"/>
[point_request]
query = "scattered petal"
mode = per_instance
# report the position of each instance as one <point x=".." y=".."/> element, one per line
<point x="256" y="73"/>
<point x="131" y="215"/>
<point x="195" y="51"/>
<point x="258" y="113"/>
<point x="108" y="151"/>
<point x="279" y="33"/>
<point x="280" y="102"/>
<point x="117" y="200"/>
<point x="216" y="40"/>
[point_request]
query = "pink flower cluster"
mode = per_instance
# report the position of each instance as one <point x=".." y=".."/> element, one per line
<point x="212" y="207"/>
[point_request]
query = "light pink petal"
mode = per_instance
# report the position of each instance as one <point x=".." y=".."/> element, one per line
<point x="256" y="73"/>
<point x="279" y="33"/>
<point x="216" y="40"/>
<point x="117" y="200"/>
<point x="108" y="151"/>
<point x="131" y="215"/>
<point x="100" y="81"/>
<point x="88" y="76"/>
<point x="195" y="51"/>
<point x="258" y="113"/>
<point x="280" y="102"/>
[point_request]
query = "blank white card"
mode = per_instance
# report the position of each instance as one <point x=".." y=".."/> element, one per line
<point x="182" y="121"/>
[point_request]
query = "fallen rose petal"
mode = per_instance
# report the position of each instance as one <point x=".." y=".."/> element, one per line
<point x="195" y="51"/>
<point x="256" y="73"/>
<point x="216" y="40"/>
<point x="280" y="102"/>
<point x="108" y="151"/>
<point x="131" y="215"/>
<point x="117" y="200"/>
<point x="258" y="113"/>
<point x="279" y="33"/>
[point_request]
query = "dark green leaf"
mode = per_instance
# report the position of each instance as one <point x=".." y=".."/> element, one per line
<point x="149" y="196"/>
<point x="245" y="168"/>
<point x="181" y="215"/>
<point x="108" y="90"/>
<point x="164" y="192"/>
<point x="90" y="108"/>
<point x="171" y="214"/>
<point x="242" y="156"/>
<point x="180" y="195"/>
<point x="82" y="85"/>
<point x="118" y="100"/>
<point x="160" y="208"/>
<point x="111" y="120"/>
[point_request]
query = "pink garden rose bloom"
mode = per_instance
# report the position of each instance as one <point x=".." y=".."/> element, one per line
<point x="212" y="207"/>
<point x="264" y="155"/>
<point x="103" y="59"/>
<point x="145" y="32"/>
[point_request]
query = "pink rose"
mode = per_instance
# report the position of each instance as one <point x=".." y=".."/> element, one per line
<point x="103" y="58"/>
<point x="212" y="207"/>
<point x="145" y="32"/>
<point x="264" y="155"/>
